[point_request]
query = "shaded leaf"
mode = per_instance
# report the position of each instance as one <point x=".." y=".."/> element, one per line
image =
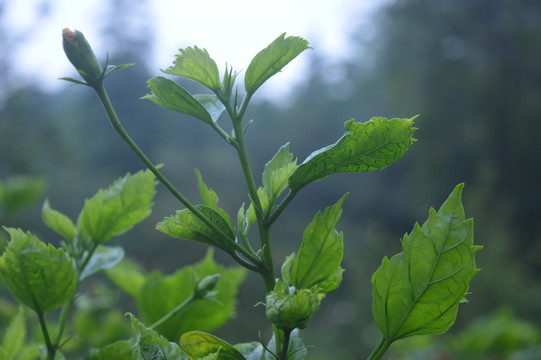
<point x="368" y="146"/>
<point x="148" y="344"/>
<point x="198" y="344"/>
<point x="15" y="334"/>
<point x="128" y="276"/>
<point x="105" y="257"/>
<point x="119" y="350"/>
<point x="418" y="290"/>
<point x="38" y="276"/>
<point x="272" y="59"/>
<point x="18" y="192"/>
<point x="196" y="64"/>
<point x="296" y="351"/>
<point x="210" y="199"/>
<point x="58" y="222"/>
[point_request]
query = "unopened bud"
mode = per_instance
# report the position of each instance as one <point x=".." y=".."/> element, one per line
<point x="206" y="285"/>
<point x="80" y="54"/>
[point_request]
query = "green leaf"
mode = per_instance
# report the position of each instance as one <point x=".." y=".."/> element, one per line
<point x="296" y="351"/>
<point x="119" y="350"/>
<point x="321" y="250"/>
<point x="58" y="222"/>
<point x="148" y="344"/>
<point x="250" y="351"/>
<point x="104" y="257"/>
<point x="161" y="294"/>
<point x="38" y="276"/>
<point x="198" y="344"/>
<point x="272" y="59"/>
<point x="263" y="199"/>
<point x="185" y="225"/>
<point x="286" y="269"/>
<point x="212" y="105"/>
<point x="196" y="64"/>
<point x="128" y="276"/>
<point x="418" y="291"/>
<point x="332" y="282"/>
<point x="18" y="192"/>
<point x="15" y="334"/>
<point x="277" y="172"/>
<point x="118" y="208"/>
<point x="368" y="146"/>
<point x="172" y="96"/>
<point x="210" y="199"/>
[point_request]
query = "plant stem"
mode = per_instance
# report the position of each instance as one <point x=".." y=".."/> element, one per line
<point x="285" y="345"/>
<point x="380" y="349"/>
<point x="51" y="350"/>
<point x="276" y="213"/>
<point x="175" y="311"/>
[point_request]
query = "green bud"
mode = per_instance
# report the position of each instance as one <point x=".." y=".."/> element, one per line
<point x="80" y="54"/>
<point x="206" y="285"/>
<point x="290" y="309"/>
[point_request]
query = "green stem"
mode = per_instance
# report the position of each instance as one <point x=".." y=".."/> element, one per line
<point x="276" y="213"/>
<point x="175" y="311"/>
<point x="285" y="345"/>
<point x="380" y="349"/>
<point x="51" y="350"/>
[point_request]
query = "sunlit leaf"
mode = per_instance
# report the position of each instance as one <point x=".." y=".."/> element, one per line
<point x="321" y="250"/>
<point x="418" y="290"/>
<point x="196" y="64"/>
<point x="118" y="208"/>
<point x="198" y="344"/>
<point x="368" y="146"/>
<point x="58" y="222"/>
<point x="104" y="257"/>
<point x="38" y="276"/>
<point x="272" y="59"/>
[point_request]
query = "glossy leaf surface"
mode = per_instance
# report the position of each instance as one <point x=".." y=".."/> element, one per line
<point x="418" y="290"/>
<point x="105" y="257"/>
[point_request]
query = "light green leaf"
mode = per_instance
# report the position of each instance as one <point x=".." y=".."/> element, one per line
<point x="321" y="250"/>
<point x="418" y="291"/>
<point x="212" y="105"/>
<point x="172" y="96"/>
<point x="118" y="208"/>
<point x="119" y="350"/>
<point x="196" y="64"/>
<point x="58" y="222"/>
<point x="161" y="294"/>
<point x="104" y="257"/>
<point x="198" y="344"/>
<point x="250" y="351"/>
<point x="286" y="269"/>
<point x="272" y="59"/>
<point x="263" y="199"/>
<point x="128" y="276"/>
<point x="210" y="199"/>
<point x="368" y="146"/>
<point x="15" y="334"/>
<point x="148" y="344"/>
<point x="18" y="192"/>
<point x="38" y="276"/>
<point x="332" y="282"/>
<point x="277" y="172"/>
<point x="185" y="225"/>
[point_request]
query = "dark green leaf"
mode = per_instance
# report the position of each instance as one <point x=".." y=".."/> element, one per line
<point x="104" y="257"/>
<point x="172" y="96"/>
<point x="58" y="222"/>
<point x="272" y="59"/>
<point x="198" y="344"/>
<point x="321" y="250"/>
<point x="196" y="64"/>
<point x="118" y="208"/>
<point x="38" y="276"/>
<point x="418" y="291"/>
<point x="368" y="146"/>
<point x="128" y="276"/>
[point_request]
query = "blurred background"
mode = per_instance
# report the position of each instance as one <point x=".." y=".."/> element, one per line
<point x="470" y="69"/>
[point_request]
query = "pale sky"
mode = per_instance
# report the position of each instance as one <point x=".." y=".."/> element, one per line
<point x="231" y="30"/>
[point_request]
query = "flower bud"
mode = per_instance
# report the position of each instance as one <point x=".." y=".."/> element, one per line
<point x="207" y="284"/>
<point x="80" y="54"/>
<point x="291" y="309"/>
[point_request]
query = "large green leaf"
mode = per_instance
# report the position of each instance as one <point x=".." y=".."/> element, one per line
<point x="368" y="146"/>
<point x="38" y="276"/>
<point x="185" y="225"/>
<point x="104" y="257"/>
<point x="161" y="294"/>
<point x="272" y="59"/>
<point x="118" y="208"/>
<point x="418" y="290"/>
<point x="277" y="172"/>
<point x="196" y="64"/>
<point x="58" y="222"/>
<point x="199" y="345"/>
<point x="128" y="276"/>
<point x="321" y="250"/>
<point x="172" y="96"/>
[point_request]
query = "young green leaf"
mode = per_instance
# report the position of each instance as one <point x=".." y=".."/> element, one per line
<point x="418" y="290"/>
<point x="272" y="59"/>
<point x="118" y="208"/>
<point x="263" y="199"/>
<point x="104" y="257"/>
<point x="172" y="96"/>
<point x="15" y="334"/>
<point x="58" y="222"/>
<point x="196" y="64"/>
<point x="368" y="146"/>
<point x="148" y="344"/>
<point x="198" y="345"/>
<point x="185" y="225"/>
<point x="277" y="172"/>
<point x="38" y="276"/>
<point x="210" y="199"/>
<point x="321" y="250"/>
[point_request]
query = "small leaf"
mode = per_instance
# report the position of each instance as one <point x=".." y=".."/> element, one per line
<point x="58" y="222"/>
<point x="118" y="208"/>
<point x="418" y="290"/>
<point x="185" y="225"/>
<point x="272" y="59"/>
<point x="263" y="199"/>
<point x="368" y="146"/>
<point x="196" y="64"/>
<point x="286" y="269"/>
<point x="198" y="344"/>
<point x="148" y="344"/>
<point x="210" y="199"/>
<point x="15" y="334"/>
<point x="277" y="172"/>
<point x="172" y="96"/>
<point x="38" y="276"/>
<point x="321" y="250"/>
<point x="128" y="276"/>
<point x="105" y="257"/>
